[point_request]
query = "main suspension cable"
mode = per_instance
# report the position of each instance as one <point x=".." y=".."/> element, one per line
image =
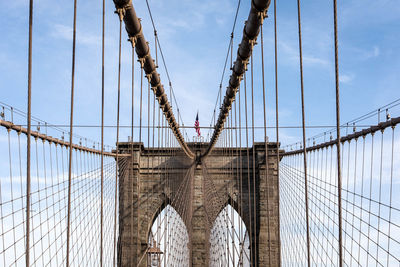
<point x="134" y="29"/>
<point x="250" y="34"/>
<point x="157" y="42"/>
<point x="229" y="52"/>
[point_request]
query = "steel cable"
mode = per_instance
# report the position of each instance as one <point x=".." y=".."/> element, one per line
<point x="71" y="134"/>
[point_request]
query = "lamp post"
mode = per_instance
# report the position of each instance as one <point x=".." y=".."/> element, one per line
<point x="154" y="253"/>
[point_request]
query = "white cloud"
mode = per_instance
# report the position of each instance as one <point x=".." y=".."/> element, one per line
<point x="364" y="54"/>
<point x="312" y="60"/>
<point x="293" y="55"/>
<point x="346" y="78"/>
<point x="65" y="32"/>
<point x="374" y="52"/>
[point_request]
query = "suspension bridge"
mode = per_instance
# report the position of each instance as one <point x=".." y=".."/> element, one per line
<point x="233" y="197"/>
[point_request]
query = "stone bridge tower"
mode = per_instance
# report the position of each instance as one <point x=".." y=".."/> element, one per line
<point x="144" y="191"/>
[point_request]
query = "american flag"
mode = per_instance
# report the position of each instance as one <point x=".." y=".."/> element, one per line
<point x="197" y="125"/>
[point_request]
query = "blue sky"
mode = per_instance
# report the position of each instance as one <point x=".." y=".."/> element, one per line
<point x="194" y="36"/>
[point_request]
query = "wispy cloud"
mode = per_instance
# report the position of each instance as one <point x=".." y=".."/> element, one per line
<point x="371" y="53"/>
<point x="346" y="78"/>
<point x="292" y="55"/>
<point x="362" y="54"/>
<point x="376" y="51"/>
<point x="313" y="60"/>
<point x="65" y="32"/>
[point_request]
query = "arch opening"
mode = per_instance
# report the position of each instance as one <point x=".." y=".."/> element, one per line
<point x="229" y="240"/>
<point x="168" y="240"/>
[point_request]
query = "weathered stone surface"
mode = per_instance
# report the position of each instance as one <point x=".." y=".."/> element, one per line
<point x="150" y="178"/>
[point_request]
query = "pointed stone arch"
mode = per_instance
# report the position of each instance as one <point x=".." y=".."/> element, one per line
<point x="146" y="187"/>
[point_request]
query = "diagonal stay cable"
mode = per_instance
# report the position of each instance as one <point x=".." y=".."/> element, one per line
<point x="172" y="95"/>
<point x="134" y="30"/>
<point x="229" y="51"/>
<point x="250" y="33"/>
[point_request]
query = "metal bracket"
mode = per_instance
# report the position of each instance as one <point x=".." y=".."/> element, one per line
<point x="120" y="12"/>
<point x="133" y="40"/>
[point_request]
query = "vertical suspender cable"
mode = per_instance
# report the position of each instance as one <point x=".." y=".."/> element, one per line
<point x="149" y="193"/>
<point x="248" y="168"/>
<point x="390" y="191"/>
<point x="228" y="146"/>
<point x="304" y="134"/>
<point x="141" y="100"/>
<point x="133" y="42"/>
<point x="339" y="164"/>
<point x="133" y="86"/>
<point x="265" y="141"/>
<point x="241" y="242"/>
<point x="237" y="178"/>
<point x="232" y="223"/>
<point x="152" y="167"/>
<point x="276" y="113"/>
<point x="70" y="135"/>
<point x="28" y="136"/>
<point x="121" y="15"/>
<point x="155" y="43"/>
<point x="138" y="188"/>
<point x="253" y="164"/>
<point x="102" y="137"/>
